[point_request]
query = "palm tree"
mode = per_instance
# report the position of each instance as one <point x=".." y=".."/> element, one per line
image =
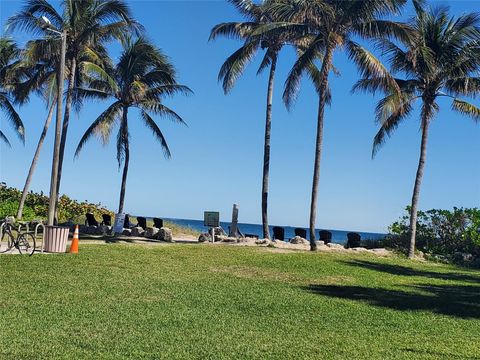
<point x="235" y="64"/>
<point x="9" y="54"/>
<point x="328" y="26"/>
<point x="442" y="60"/>
<point x="89" y="24"/>
<point x="142" y="78"/>
<point x="40" y="78"/>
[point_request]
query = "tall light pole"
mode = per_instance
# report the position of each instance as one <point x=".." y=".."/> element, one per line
<point x="58" y="125"/>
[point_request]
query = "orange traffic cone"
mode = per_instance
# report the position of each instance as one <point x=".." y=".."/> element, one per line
<point x="74" y="246"/>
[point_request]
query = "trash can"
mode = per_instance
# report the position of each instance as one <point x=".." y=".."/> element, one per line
<point x="55" y="239"/>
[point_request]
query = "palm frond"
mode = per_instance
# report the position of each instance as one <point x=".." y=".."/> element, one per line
<point x="150" y="123"/>
<point x="12" y="116"/>
<point x="467" y="109"/>
<point x="235" y="30"/>
<point x="5" y="139"/>
<point x="235" y="65"/>
<point x="102" y="126"/>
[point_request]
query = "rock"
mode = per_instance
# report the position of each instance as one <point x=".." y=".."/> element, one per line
<point x="137" y="231"/>
<point x="320" y="243"/>
<point x="205" y="237"/>
<point x="247" y="240"/>
<point x="226" y="239"/>
<point x="463" y="257"/>
<point x="151" y="232"/>
<point x="127" y="232"/>
<point x="82" y="229"/>
<point x="263" y="242"/>
<point x="336" y="246"/>
<point x="358" y="249"/>
<point x="164" y="234"/>
<point x="102" y="230"/>
<point x="92" y="230"/>
<point x="381" y="252"/>
<point x="299" y="240"/>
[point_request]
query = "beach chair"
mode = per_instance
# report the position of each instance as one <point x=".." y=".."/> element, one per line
<point x="126" y="222"/>
<point x="301" y="232"/>
<point x="353" y="240"/>
<point x="278" y="233"/>
<point x="158" y="223"/>
<point x="107" y="220"/>
<point x="325" y="236"/>
<point x="142" y="222"/>
<point x="90" y="220"/>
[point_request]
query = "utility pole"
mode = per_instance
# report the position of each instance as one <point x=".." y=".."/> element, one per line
<point x="58" y="131"/>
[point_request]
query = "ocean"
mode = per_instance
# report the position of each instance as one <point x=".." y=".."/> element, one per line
<point x="338" y="236"/>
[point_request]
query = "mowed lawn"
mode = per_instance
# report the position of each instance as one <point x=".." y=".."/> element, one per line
<point x="118" y="301"/>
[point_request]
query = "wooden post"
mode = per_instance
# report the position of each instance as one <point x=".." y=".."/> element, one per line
<point x="234" y="225"/>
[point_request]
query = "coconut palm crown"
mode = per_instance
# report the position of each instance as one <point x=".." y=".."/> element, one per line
<point x="257" y="15"/>
<point x="326" y="26"/>
<point x="88" y="25"/>
<point x="441" y="61"/>
<point x="9" y="54"/>
<point x="141" y="79"/>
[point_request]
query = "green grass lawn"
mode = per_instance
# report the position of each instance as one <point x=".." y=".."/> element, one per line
<point x="216" y="302"/>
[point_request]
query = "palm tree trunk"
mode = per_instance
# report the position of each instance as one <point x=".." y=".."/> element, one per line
<point x="416" y="189"/>
<point x="326" y="65"/>
<point x="127" y="159"/>
<point x="266" y="149"/>
<point x="34" y="161"/>
<point x="66" y="121"/>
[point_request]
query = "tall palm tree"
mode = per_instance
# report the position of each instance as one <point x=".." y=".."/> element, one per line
<point x="89" y="24"/>
<point x="329" y="26"/>
<point x="235" y="64"/>
<point x="141" y="79"/>
<point x="9" y="54"/>
<point x="39" y="78"/>
<point x="442" y="60"/>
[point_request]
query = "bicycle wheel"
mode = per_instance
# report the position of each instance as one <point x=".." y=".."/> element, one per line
<point x="26" y="244"/>
<point x="6" y="242"/>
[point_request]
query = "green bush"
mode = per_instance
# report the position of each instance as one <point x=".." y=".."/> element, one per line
<point x="10" y="207"/>
<point x="440" y="232"/>
<point x="36" y="206"/>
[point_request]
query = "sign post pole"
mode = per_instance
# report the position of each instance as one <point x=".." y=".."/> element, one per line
<point x="211" y="219"/>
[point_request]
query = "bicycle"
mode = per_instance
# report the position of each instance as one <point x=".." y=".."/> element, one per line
<point x="24" y="242"/>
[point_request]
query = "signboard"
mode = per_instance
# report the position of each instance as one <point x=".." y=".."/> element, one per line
<point x="118" y="224"/>
<point x="211" y="219"/>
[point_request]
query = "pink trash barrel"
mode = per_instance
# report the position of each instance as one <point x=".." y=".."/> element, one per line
<point x="55" y="239"/>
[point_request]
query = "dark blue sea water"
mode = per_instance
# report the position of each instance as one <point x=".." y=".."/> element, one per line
<point x="338" y="236"/>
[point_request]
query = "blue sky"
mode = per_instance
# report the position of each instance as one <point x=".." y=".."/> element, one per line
<point x="217" y="159"/>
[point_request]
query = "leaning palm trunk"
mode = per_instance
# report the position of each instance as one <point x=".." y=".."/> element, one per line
<point x="66" y="121"/>
<point x="323" y="87"/>
<point x="416" y="189"/>
<point x="266" y="154"/>
<point x="34" y="161"/>
<point x="127" y="159"/>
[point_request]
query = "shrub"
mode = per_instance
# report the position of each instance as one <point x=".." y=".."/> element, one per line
<point x="441" y="232"/>
<point x="36" y="206"/>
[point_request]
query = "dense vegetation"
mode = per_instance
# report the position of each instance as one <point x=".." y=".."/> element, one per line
<point x="36" y="206"/>
<point x="453" y="234"/>
<point x="217" y="302"/>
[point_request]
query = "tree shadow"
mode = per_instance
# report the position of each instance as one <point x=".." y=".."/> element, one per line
<point x="439" y="355"/>
<point x="407" y="271"/>
<point x="452" y="300"/>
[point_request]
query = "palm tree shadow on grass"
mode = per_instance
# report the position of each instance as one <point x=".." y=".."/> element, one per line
<point x="407" y="271"/>
<point x="460" y="301"/>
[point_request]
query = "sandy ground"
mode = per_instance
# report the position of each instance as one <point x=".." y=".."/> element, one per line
<point x="278" y="247"/>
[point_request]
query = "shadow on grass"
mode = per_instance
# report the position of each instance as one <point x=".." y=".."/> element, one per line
<point x="453" y="300"/>
<point x="407" y="271"/>
<point x="439" y="355"/>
